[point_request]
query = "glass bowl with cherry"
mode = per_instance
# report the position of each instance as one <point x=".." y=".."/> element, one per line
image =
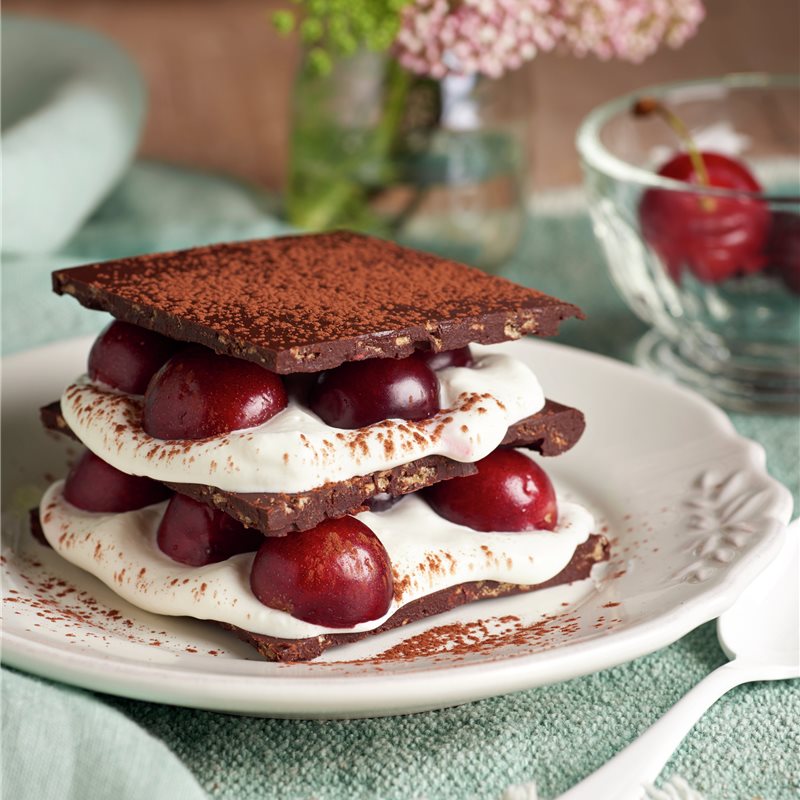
<point x="694" y="192"/>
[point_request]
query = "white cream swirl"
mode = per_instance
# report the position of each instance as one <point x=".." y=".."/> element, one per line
<point x="427" y="553"/>
<point x="296" y="451"/>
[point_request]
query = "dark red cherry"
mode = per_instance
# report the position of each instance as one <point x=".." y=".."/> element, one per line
<point x="126" y="356"/>
<point x="460" y="357"/>
<point x="362" y="392"/>
<point x="198" y="393"/>
<point x="337" y="574"/>
<point x="509" y="493"/>
<point x="783" y="248"/>
<point x="716" y="238"/>
<point x="298" y="385"/>
<point x="194" y="533"/>
<point x="94" y="485"/>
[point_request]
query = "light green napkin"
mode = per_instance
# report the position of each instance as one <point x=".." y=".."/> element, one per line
<point x="62" y="744"/>
<point x="73" y="105"/>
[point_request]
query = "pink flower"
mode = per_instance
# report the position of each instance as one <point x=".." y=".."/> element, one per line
<point x="627" y="29"/>
<point x="438" y="38"/>
<point x="462" y="37"/>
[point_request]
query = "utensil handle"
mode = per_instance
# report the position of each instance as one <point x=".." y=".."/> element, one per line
<point x="624" y="776"/>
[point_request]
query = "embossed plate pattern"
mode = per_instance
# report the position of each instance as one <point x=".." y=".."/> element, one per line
<point x="688" y="506"/>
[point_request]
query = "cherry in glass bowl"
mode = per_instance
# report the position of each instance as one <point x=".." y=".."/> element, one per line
<point x="713" y="267"/>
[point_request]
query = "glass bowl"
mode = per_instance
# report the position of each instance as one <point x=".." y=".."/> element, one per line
<point x="715" y="272"/>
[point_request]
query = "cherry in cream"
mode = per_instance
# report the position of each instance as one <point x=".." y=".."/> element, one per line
<point x="336" y="575"/>
<point x="510" y="492"/>
<point x="126" y="356"/>
<point x="359" y="393"/>
<point x="94" y="485"/>
<point x="198" y="394"/>
<point x="715" y="237"/>
<point x="194" y="533"/>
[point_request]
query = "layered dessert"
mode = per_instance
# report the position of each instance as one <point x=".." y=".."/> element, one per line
<point x="310" y="440"/>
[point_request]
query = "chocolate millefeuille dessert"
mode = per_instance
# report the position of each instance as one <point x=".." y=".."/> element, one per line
<point x="306" y="440"/>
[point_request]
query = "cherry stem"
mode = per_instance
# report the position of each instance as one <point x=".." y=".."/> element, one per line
<point x="646" y="106"/>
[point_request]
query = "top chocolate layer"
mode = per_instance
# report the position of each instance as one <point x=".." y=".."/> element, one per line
<point x="308" y="303"/>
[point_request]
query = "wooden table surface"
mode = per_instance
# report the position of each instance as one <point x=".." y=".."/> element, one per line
<point x="220" y="79"/>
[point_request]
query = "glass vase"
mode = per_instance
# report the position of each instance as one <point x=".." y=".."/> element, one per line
<point x="438" y="165"/>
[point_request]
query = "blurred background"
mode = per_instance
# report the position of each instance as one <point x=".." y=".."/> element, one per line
<point x="449" y="127"/>
<point x="220" y="77"/>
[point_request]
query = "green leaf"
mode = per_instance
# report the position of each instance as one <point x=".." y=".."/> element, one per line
<point x="319" y="61"/>
<point x="311" y="30"/>
<point x="284" y="21"/>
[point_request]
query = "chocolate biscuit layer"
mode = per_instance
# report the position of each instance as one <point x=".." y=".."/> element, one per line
<point x="308" y="303"/>
<point x="551" y="431"/>
<point x="594" y="550"/>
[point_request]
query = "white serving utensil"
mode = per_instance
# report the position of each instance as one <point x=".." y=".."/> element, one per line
<point x="760" y="633"/>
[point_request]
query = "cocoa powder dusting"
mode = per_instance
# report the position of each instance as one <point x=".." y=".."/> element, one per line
<point x="305" y="303"/>
<point x="488" y="639"/>
<point x="401" y="585"/>
<point x="76" y="614"/>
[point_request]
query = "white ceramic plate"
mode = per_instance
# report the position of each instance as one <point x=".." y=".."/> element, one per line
<point x="691" y="513"/>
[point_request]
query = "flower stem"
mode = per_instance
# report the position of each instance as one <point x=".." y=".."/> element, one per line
<point x="343" y="198"/>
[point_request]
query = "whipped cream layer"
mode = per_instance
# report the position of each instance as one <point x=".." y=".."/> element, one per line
<point x="427" y="552"/>
<point x="295" y="450"/>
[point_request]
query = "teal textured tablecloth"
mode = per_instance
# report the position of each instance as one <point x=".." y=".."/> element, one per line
<point x="747" y="745"/>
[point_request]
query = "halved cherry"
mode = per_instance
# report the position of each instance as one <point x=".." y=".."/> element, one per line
<point x="196" y="534"/>
<point x="126" y="356"/>
<point x="337" y="574"/>
<point x="198" y="394"/>
<point x="509" y="493"/>
<point x="94" y="485"/>
<point x="362" y="392"/>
